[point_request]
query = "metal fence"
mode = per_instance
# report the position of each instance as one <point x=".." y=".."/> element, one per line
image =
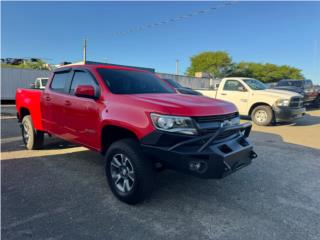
<point x="186" y="81"/>
<point x="13" y="78"/>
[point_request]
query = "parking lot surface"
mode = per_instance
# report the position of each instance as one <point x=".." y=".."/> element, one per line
<point x="61" y="192"/>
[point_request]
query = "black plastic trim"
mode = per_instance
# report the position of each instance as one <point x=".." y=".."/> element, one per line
<point x="218" y="159"/>
<point x="288" y="113"/>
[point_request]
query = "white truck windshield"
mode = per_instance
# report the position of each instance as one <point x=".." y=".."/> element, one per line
<point x="255" y="84"/>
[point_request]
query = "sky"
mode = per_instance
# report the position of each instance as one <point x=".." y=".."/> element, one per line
<point x="273" y="32"/>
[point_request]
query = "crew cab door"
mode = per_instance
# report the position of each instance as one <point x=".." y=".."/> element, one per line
<point x="82" y="113"/>
<point x="52" y="102"/>
<point x="235" y="92"/>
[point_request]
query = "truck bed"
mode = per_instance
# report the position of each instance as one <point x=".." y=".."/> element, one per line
<point x="30" y="99"/>
<point x="211" y="93"/>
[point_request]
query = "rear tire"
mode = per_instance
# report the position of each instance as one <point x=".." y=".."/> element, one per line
<point x="262" y="115"/>
<point x="32" y="138"/>
<point x="130" y="175"/>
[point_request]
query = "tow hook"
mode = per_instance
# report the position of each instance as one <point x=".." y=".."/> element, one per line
<point x="253" y="155"/>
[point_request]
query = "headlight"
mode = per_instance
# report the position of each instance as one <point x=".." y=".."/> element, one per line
<point x="282" y="102"/>
<point x="174" y="124"/>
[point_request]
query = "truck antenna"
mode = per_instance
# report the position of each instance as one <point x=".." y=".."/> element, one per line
<point x="177" y="66"/>
<point x="85" y="51"/>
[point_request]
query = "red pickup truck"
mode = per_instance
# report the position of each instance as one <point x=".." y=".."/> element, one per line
<point x="138" y="122"/>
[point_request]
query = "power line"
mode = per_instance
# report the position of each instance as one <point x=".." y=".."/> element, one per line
<point x="174" y="19"/>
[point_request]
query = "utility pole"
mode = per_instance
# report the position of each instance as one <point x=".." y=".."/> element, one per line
<point x="85" y="51"/>
<point x="177" y="67"/>
<point x="316" y="59"/>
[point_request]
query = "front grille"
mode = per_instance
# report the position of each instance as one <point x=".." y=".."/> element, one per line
<point x="296" y="102"/>
<point x="210" y="124"/>
<point x="216" y="118"/>
<point x="221" y="135"/>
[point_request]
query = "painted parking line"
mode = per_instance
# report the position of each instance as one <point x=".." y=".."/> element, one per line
<point x="8" y="117"/>
<point x="10" y="139"/>
<point x="39" y="153"/>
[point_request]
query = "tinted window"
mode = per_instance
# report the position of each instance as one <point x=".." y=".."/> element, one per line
<point x="308" y="84"/>
<point x="282" y="84"/>
<point x="232" y="85"/>
<point x="133" y="82"/>
<point x="82" y="78"/>
<point x="291" y="83"/>
<point x="44" y="82"/>
<point x="59" y="80"/>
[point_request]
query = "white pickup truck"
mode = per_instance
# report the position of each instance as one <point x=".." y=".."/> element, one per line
<point x="40" y="83"/>
<point x="253" y="99"/>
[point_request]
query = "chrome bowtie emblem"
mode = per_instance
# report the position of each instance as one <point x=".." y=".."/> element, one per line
<point x="226" y="123"/>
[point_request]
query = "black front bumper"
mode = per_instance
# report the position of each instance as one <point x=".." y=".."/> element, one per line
<point x="288" y="114"/>
<point x="203" y="156"/>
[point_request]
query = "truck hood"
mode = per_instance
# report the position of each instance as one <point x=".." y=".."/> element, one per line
<point x="278" y="93"/>
<point x="182" y="105"/>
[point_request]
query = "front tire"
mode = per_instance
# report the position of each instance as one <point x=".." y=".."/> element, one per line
<point x="130" y="175"/>
<point x="262" y="115"/>
<point x="32" y="138"/>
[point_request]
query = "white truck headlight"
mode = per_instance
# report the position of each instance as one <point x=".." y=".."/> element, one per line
<point x="173" y="124"/>
<point x="282" y="102"/>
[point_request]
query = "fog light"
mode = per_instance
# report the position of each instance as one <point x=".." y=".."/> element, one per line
<point x="198" y="166"/>
<point x="253" y="155"/>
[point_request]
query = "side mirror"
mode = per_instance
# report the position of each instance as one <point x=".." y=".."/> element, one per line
<point x="85" y="91"/>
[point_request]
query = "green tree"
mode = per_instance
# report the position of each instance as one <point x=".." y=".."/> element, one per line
<point x="216" y="63"/>
<point x="35" y="65"/>
<point x="28" y="64"/>
<point x="265" y="72"/>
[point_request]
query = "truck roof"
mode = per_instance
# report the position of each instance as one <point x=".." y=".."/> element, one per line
<point x="237" y="78"/>
<point x="99" y="64"/>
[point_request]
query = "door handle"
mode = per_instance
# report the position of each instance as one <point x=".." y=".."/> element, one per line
<point x="47" y="98"/>
<point x="224" y="94"/>
<point x="67" y="103"/>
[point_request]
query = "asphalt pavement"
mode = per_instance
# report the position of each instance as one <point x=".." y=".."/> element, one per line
<point x="61" y="192"/>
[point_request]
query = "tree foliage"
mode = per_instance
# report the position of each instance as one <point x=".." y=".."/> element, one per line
<point x="28" y="65"/>
<point x="219" y="64"/>
<point x="215" y="63"/>
<point x="265" y="72"/>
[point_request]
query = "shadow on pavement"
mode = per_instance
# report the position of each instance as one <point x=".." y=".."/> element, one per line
<point x="307" y="120"/>
<point x="66" y="196"/>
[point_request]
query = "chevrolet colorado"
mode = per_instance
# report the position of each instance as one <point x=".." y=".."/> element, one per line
<point x="138" y="122"/>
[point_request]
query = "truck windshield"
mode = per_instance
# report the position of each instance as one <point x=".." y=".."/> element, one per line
<point x="308" y="84"/>
<point x="255" y="84"/>
<point x="293" y="83"/>
<point x="132" y="82"/>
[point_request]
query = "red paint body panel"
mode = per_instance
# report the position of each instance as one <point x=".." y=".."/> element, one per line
<point x="30" y="99"/>
<point x="81" y="120"/>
